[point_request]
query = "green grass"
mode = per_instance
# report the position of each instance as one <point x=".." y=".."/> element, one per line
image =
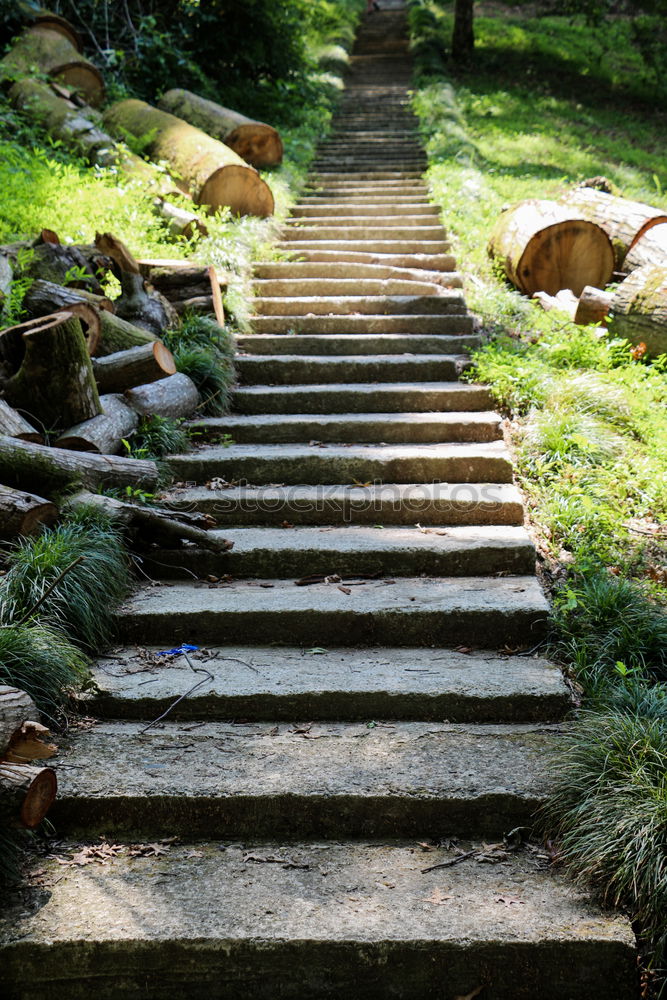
<point x="156" y="437"/>
<point x="38" y="658"/>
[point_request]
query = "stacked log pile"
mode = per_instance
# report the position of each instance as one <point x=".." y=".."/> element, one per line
<point x="565" y="254"/>
<point x="27" y="789"/>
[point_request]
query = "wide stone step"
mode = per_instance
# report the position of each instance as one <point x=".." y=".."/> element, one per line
<point x="289" y="369"/>
<point x="362" y="220"/>
<point x="365" y="323"/>
<point x="356" y="343"/>
<point x="371" y="397"/>
<point x="325" y="209"/>
<point x="367" y="191"/>
<point x="368" y="246"/>
<point x="298" y="463"/>
<point x="364" y="199"/>
<point x="275" y="428"/>
<point x="336" y="287"/>
<point x="438" y="504"/>
<point x="438" y="302"/>
<point x="333" y="780"/>
<point x="208" y="921"/>
<point x="304" y="271"/>
<point x="363" y="231"/>
<point x="346" y="552"/>
<point x="429" y="262"/>
<point x="350" y="176"/>
<point x="284" y="683"/>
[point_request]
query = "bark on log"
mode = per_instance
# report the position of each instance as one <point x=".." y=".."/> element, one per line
<point x="255" y="142"/>
<point x="179" y="221"/>
<point x="624" y="221"/>
<point x="649" y="250"/>
<point x="23" y="514"/>
<point x="143" y="307"/>
<point x="13" y="343"/>
<point x="29" y="743"/>
<point x="55" y="382"/>
<point x="136" y="366"/>
<point x="45" y="297"/>
<point x="54" y="22"/>
<point x="15" y="707"/>
<point x="62" y="119"/>
<point x="33" y="466"/>
<point x="116" y="334"/>
<point x="639" y="309"/>
<point x="105" y="433"/>
<point x="151" y="521"/>
<point x="593" y="306"/>
<point x="543" y="246"/>
<point x="52" y="53"/>
<point x="202" y="305"/>
<point x="14" y="425"/>
<point x="26" y="793"/>
<point x="216" y="176"/>
<point x="6" y="277"/>
<point x="56" y="262"/>
<point x="176" y="396"/>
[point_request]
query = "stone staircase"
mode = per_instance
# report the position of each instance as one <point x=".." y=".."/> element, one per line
<point x="341" y="737"/>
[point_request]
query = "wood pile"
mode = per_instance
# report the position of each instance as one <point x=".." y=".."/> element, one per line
<point x="545" y="251"/>
<point x="27" y="790"/>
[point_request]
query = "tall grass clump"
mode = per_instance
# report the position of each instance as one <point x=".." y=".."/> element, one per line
<point x="205" y="351"/>
<point x="158" y="436"/>
<point x="40" y="660"/>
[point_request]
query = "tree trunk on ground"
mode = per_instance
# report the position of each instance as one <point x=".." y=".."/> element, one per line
<point x="175" y="396"/>
<point x="624" y="221"/>
<point x="55" y="56"/>
<point x="105" y="433"/>
<point x="26" y="793"/>
<point x="136" y="366"/>
<point x="55" y="382"/>
<point x="639" y="309"/>
<point x="463" y="35"/>
<point x="255" y="142"/>
<point x="117" y="334"/>
<point x="45" y="297"/>
<point x="53" y="22"/>
<point x="13" y="424"/>
<point x="151" y="521"/>
<point x="594" y="304"/>
<point x="649" y="250"/>
<point x="544" y="247"/>
<point x="6" y="277"/>
<point x="62" y="119"/>
<point x="215" y="174"/>
<point x="23" y="514"/>
<point x="33" y="466"/>
<point x="15" y="707"/>
<point x="179" y="221"/>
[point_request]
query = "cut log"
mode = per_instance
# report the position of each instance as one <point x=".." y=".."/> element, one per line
<point x="215" y="174"/>
<point x="649" y="250"/>
<point x="105" y="433"/>
<point x="593" y="306"/>
<point x="15" y="707"/>
<point x="29" y="743"/>
<point x="255" y="142"/>
<point x="14" y="425"/>
<point x="176" y="396"/>
<point x="116" y="334"/>
<point x="33" y="466"/>
<point x="62" y="119"/>
<point x="26" y="793"/>
<point x="50" y="52"/>
<point x="45" y="297"/>
<point x="153" y="523"/>
<point x="639" y="309"/>
<point x="136" y="366"/>
<point x="201" y="305"/>
<point x="23" y="514"/>
<point x="565" y="302"/>
<point x="55" y="383"/>
<point x="143" y="307"/>
<point x="180" y="222"/>
<point x="6" y="277"/>
<point x="545" y="247"/>
<point x="54" y="22"/>
<point x="624" y="221"/>
<point x="118" y="252"/>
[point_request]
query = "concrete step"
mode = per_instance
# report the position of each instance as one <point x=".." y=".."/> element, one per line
<point x="371" y="397"/>
<point x="355" y="343"/>
<point x="355" y="287"/>
<point x="290" y="369"/>
<point x="350" y="176"/>
<point x="367" y="191"/>
<point x="286" y="683"/>
<point x="362" y="231"/>
<point x="365" y="324"/>
<point x="364" y="199"/>
<point x="325" y="209"/>
<point x="437" y="504"/>
<point x="420" y="261"/>
<point x="209" y="920"/>
<point x="276" y="428"/>
<point x="306" y="271"/>
<point x="397" y="551"/>
<point x="362" y="220"/>
<point x="335" y="780"/>
<point x="438" y="302"/>
<point x="371" y="246"/>
<point x="300" y="463"/>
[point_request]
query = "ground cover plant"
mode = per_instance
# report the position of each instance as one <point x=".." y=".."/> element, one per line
<point x="543" y="105"/>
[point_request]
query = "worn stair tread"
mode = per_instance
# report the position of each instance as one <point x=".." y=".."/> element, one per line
<point x="335" y="779"/>
<point x="442" y="301"/>
<point x="455" y="323"/>
<point x="356" y="343"/>
<point x="350" y="271"/>
<point x="418" y="260"/>
<point x="303" y="369"/>
<point x="487" y="612"/>
<point x="332" y="920"/>
<point x="372" y="246"/>
<point x="391" y="503"/>
<point x="357" y="287"/>
<point x="287" y="683"/>
<point x="367" y="397"/>
<point x="354" y="427"/>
